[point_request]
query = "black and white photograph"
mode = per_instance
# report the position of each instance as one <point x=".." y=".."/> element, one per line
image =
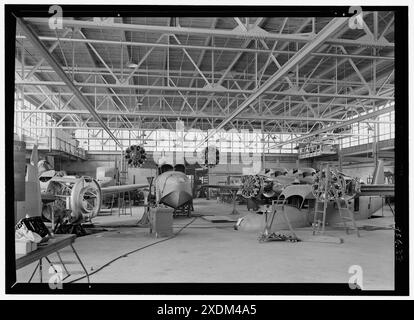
<point x="197" y="150"/>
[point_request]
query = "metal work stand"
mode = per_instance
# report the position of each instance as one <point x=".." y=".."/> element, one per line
<point x="55" y="244"/>
<point x="40" y="266"/>
<point x="267" y="235"/>
<point x="233" y="200"/>
<point x="346" y="215"/>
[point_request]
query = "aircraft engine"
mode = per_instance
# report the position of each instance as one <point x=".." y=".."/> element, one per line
<point x="135" y="155"/>
<point x="81" y="195"/>
<point x="269" y="188"/>
<point x="335" y="185"/>
<point x="253" y="186"/>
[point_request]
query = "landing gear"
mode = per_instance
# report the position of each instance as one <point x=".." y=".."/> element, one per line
<point x="77" y="229"/>
<point x="185" y="209"/>
<point x="64" y="224"/>
<point x="252" y="204"/>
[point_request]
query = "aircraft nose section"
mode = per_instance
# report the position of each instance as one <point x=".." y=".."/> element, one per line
<point x="176" y="199"/>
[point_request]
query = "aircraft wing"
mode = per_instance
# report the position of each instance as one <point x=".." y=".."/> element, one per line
<point x="123" y="188"/>
<point x="286" y="180"/>
<point x="302" y="190"/>
<point x="307" y="180"/>
<point x="377" y="190"/>
<point x="221" y="186"/>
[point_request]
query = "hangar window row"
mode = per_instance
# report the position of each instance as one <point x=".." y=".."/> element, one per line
<point x="35" y="125"/>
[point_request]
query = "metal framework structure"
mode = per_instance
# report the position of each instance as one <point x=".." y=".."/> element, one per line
<point x="298" y="76"/>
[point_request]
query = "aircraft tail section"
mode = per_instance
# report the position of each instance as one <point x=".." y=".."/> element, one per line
<point x="378" y="177"/>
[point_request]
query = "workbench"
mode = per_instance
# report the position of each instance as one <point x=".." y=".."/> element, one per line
<point x="54" y="244"/>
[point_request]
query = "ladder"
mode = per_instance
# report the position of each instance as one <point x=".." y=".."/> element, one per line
<point x="317" y="223"/>
<point x="123" y="202"/>
<point x="123" y="177"/>
<point x="320" y="208"/>
<point x="113" y="200"/>
<point x="123" y="170"/>
<point x="346" y="215"/>
<point x="206" y="180"/>
<point x="115" y="197"/>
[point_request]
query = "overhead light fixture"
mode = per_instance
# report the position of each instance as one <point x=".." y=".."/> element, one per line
<point x="131" y="65"/>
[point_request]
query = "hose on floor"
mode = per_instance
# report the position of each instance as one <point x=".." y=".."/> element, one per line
<point x="133" y="251"/>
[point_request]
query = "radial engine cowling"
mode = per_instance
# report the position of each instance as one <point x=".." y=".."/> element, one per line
<point x="82" y="195"/>
<point x="254" y="186"/>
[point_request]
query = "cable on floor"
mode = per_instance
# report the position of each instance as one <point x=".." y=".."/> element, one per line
<point x="133" y="251"/>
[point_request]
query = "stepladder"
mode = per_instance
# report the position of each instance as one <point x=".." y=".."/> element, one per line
<point x="347" y="215"/>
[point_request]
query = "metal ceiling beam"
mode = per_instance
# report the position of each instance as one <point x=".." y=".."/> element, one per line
<point x="146" y="55"/>
<point x="102" y="25"/>
<point x="233" y="62"/>
<point x="208" y="89"/>
<point x="59" y="71"/>
<point x="206" y="47"/>
<point x="52" y="47"/>
<point x="336" y="126"/>
<point x="183" y="115"/>
<point x="201" y="57"/>
<point x="324" y="47"/>
<point x="337" y="103"/>
<point x="158" y="73"/>
<point x="110" y="90"/>
<point x="192" y="61"/>
<point x="385" y="86"/>
<point x="92" y="128"/>
<point x="334" y="86"/>
<point x="99" y="57"/>
<point x="63" y="94"/>
<point x="173" y="30"/>
<point x="366" y="43"/>
<point x="48" y="92"/>
<point x="333" y="26"/>
<point x="261" y="71"/>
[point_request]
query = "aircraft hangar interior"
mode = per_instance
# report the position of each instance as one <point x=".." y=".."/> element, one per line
<point x="204" y="149"/>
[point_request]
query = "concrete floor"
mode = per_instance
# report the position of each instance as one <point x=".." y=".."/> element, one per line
<point x="215" y="252"/>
